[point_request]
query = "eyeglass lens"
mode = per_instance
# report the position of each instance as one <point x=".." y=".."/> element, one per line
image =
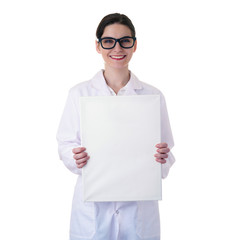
<point x="109" y="43"/>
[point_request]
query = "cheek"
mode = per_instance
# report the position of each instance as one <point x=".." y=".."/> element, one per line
<point x="129" y="56"/>
<point x="105" y="58"/>
<point x="103" y="54"/>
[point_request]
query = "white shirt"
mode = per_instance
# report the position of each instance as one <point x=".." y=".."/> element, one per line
<point x="109" y="220"/>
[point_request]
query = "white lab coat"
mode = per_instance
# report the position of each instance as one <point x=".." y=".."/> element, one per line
<point x="109" y="220"/>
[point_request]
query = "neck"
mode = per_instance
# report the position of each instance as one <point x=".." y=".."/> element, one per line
<point x="116" y="78"/>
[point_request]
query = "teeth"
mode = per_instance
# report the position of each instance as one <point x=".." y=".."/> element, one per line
<point x="117" y="57"/>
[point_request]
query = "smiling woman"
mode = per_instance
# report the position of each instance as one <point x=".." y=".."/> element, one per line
<point x="135" y="220"/>
<point x="116" y="46"/>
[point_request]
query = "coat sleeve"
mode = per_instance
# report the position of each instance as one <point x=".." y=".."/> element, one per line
<point x="68" y="135"/>
<point x="166" y="136"/>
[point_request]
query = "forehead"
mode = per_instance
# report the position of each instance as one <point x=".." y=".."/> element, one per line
<point x="116" y="30"/>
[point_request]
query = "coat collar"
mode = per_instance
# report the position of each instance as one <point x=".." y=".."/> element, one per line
<point x="98" y="82"/>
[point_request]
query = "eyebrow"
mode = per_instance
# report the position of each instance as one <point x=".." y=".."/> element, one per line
<point x="115" y="38"/>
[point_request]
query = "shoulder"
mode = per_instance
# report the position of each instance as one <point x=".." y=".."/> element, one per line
<point x="145" y="88"/>
<point x="79" y="87"/>
<point x="85" y="88"/>
<point x="78" y="90"/>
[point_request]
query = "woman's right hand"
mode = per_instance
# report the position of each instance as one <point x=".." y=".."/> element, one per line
<point x="81" y="157"/>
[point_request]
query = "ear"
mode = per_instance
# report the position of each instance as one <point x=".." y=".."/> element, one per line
<point x="97" y="46"/>
<point x="135" y="46"/>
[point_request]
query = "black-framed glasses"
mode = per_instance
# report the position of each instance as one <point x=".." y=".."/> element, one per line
<point x="109" y="42"/>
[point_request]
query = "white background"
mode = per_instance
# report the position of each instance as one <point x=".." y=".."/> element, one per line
<point x="188" y="49"/>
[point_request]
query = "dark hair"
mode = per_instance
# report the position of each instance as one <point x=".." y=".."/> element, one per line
<point x="114" y="18"/>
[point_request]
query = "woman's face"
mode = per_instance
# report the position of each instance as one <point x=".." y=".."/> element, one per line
<point x="116" y="57"/>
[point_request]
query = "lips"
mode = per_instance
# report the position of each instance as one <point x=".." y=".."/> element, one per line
<point x="117" y="57"/>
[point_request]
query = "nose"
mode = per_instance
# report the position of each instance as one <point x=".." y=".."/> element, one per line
<point x="117" y="47"/>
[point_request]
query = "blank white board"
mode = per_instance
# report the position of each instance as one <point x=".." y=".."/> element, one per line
<point x="120" y="134"/>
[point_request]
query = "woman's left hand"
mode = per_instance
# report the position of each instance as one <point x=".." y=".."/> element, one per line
<point x="162" y="152"/>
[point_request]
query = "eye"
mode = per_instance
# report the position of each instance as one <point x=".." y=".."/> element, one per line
<point x="126" y="40"/>
<point x="108" y="41"/>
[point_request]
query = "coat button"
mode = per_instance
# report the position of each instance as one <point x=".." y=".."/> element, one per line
<point x="117" y="212"/>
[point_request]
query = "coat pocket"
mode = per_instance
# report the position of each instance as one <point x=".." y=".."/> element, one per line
<point x="148" y="222"/>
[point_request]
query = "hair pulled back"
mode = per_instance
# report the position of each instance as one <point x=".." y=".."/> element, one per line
<point x="114" y="18"/>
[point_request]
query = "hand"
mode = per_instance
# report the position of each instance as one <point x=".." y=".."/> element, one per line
<point x="80" y="156"/>
<point x="162" y="150"/>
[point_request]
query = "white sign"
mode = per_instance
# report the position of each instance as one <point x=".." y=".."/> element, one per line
<point x="120" y="134"/>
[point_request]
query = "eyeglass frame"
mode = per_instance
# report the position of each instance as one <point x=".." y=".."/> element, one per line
<point x="117" y="40"/>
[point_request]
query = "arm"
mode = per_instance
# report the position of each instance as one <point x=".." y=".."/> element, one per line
<point x="68" y="135"/>
<point x="164" y="154"/>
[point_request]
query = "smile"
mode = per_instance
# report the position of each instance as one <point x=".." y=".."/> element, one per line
<point x="118" y="57"/>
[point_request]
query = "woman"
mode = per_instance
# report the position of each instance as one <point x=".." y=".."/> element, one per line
<point x="116" y="42"/>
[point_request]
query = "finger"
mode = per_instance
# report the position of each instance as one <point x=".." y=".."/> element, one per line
<point x="81" y="165"/>
<point x="162" y="145"/>
<point x="162" y="160"/>
<point x="80" y="155"/>
<point x="159" y="156"/>
<point x="82" y="160"/>
<point x="78" y="149"/>
<point x="163" y="150"/>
